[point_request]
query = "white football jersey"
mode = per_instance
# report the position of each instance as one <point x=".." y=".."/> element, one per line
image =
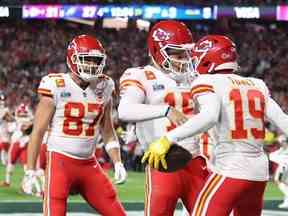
<point x="240" y="129"/>
<point x="207" y="142"/>
<point x="4" y="132"/>
<point x="158" y="88"/>
<point x="24" y="120"/>
<point x="19" y="137"/>
<point x="17" y="134"/>
<point x="75" y="123"/>
<point x="3" y="112"/>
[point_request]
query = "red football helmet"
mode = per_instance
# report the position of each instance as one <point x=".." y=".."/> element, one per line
<point x="86" y="57"/>
<point x="167" y="38"/>
<point x="22" y="110"/>
<point x="214" y="53"/>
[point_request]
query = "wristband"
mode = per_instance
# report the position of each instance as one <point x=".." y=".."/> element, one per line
<point x="112" y="144"/>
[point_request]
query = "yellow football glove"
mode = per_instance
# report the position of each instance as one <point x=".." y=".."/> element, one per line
<point x="156" y="153"/>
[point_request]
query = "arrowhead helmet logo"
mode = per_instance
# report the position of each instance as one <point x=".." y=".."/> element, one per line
<point x="160" y="35"/>
<point x="204" y="46"/>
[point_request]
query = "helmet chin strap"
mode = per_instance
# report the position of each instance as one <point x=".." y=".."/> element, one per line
<point x="211" y="68"/>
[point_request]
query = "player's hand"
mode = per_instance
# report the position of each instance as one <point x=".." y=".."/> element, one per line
<point x="120" y="174"/>
<point x="156" y="153"/>
<point x="31" y="184"/>
<point x="176" y="117"/>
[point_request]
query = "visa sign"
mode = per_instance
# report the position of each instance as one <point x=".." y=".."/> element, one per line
<point x="4" y="12"/>
<point x="247" y="12"/>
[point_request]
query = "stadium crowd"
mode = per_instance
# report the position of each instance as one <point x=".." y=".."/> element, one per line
<point x="31" y="49"/>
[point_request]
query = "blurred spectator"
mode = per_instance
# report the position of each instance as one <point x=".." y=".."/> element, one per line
<point x="31" y="49"/>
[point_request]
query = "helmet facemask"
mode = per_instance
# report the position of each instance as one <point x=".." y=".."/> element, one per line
<point x="89" y="65"/>
<point x="178" y="62"/>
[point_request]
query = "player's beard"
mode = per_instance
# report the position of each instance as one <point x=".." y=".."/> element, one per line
<point x="181" y="72"/>
<point x="90" y="69"/>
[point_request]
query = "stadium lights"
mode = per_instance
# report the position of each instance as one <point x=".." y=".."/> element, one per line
<point x="143" y="24"/>
<point x="117" y="23"/>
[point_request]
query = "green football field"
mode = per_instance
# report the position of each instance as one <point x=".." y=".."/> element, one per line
<point x="131" y="191"/>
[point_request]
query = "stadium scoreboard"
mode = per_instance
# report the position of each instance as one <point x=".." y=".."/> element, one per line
<point x="145" y="12"/>
<point x="114" y="11"/>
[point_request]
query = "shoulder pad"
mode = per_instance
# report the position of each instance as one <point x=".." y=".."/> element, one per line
<point x="202" y="84"/>
<point x="132" y="73"/>
<point x="58" y="79"/>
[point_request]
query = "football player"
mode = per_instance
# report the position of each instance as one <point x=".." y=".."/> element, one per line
<point x="5" y="118"/>
<point x="77" y="107"/>
<point x="19" y="140"/>
<point x="237" y="107"/>
<point x="157" y="98"/>
<point x="280" y="158"/>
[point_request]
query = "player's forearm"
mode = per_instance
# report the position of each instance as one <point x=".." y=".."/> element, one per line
<point x="141" y="112"/>
<point x="43" y="115"/>
<point x="112" y="144"/>
<point x="114" y="154"/>
<point x="199" y="123"/>
<point x="34" y="148"/>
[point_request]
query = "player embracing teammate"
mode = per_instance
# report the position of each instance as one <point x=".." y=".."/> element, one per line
<point x="237" y="106"/>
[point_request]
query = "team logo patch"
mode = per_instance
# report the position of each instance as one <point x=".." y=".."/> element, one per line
<point x="60" y="83"/>
<point x="157" y="87"/>
<point x="160" y="35"/>
<point x="65" y="94"/>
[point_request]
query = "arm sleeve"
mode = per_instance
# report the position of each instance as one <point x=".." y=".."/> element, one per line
<point x="209" y="109"/>
<point x="133" y="95"/>
<point x="276" y="116"/>
<point x="132" y="109"/>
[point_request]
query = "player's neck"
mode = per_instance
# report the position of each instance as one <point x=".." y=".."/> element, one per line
<point x="81" y="83"/>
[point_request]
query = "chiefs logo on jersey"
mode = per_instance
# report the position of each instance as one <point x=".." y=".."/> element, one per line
<point x="160" y="35"/>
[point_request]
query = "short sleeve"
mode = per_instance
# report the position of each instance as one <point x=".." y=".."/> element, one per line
<point x="202" y="85"/>
<point x="131" y="78"/>
<point x="261" y="85"/>
<point x="46" y="87"/>
<point x="265" y="88"/>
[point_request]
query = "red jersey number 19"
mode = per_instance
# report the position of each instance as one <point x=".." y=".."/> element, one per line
<point x="256" y="111"/>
